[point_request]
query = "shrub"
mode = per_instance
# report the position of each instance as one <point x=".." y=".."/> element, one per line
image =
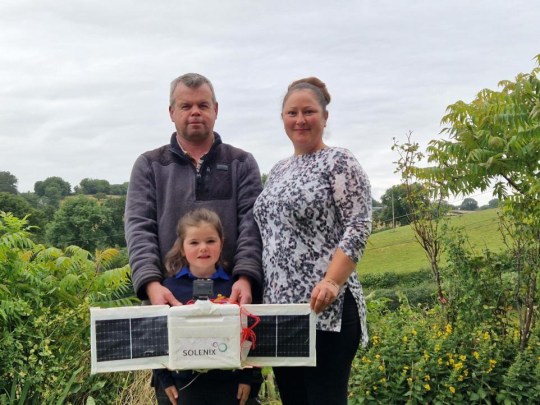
<point x="415" y="357"/>
<point x="390" y="279"/>
<point x="422" y="295"/>
<point x="45" y="295"/>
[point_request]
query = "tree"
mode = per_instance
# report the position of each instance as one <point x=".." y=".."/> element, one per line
<point x="116" y="207"/>
<point x="52" y="190"/>
<point x="80" y="221"/>
<point x="8" y="183"/>
<point x="20" y="208"/>
<point x="493" y="203"/>
<point x="119" y="189"/>
<point x="469" y="204"/>
<point x="52" y="187"/>
<point x="94" y="186"/>
<point x="396" y="207"/>
<point x="495" y="140"/>
<point x="426" y="217"/>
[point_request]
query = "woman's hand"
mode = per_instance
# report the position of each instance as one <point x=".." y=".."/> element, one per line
<point x="324" y="294"/>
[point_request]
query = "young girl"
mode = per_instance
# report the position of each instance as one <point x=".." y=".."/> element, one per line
<point x="196" y="255"/>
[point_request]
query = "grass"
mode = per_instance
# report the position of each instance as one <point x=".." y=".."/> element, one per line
<point x="397" y="250"/>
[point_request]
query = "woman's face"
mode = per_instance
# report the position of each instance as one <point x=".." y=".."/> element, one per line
<point x="304" y="121"/>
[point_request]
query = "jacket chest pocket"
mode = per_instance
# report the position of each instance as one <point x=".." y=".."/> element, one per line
<point x="214" y="183"/>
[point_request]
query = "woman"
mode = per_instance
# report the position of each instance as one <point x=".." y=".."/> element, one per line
<point x="314" y="216"/>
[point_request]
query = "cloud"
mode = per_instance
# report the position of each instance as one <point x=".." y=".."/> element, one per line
<point x="84" y="85"/>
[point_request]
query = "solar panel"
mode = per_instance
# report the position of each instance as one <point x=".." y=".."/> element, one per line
<point x="285" y="335"/>
<point x="129" y="338"/>
<point x="140" y="337"/>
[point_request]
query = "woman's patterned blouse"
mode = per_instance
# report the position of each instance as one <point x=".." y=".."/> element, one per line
<point x="311" y="205"/>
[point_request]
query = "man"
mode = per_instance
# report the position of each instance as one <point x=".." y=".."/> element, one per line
<point x="195" y="170"/>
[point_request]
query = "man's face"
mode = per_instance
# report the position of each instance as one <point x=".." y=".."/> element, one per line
<point x="193" y="113"/>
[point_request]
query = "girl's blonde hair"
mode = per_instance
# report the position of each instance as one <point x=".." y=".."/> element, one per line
<point x="175" y="258"/>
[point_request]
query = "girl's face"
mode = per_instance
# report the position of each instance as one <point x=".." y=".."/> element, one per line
<point x="304" y="121"/>
<point x="202" y="248"/>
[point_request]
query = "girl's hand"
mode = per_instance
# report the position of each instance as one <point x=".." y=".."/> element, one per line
<point x="243" y="393"/>
<point x="324" y="294"/>
<point x="172" y="394"/>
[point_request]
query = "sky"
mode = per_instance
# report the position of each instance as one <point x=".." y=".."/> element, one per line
<point x="84" y="84"/>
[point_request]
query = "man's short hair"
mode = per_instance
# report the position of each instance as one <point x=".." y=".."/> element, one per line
<point x="193" y="81"/>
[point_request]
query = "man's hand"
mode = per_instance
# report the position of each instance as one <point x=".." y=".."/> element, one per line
<point x="241" y="291"/>
<point x="172" y="393"/>
<point x="159" y="295"/>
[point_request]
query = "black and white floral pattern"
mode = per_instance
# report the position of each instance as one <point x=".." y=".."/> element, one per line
<point x="311" y="205"/>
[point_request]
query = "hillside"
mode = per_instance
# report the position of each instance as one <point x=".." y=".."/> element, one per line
<point x="398" y="251"/>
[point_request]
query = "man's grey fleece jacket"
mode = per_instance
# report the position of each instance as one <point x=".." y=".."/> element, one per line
<point x="164" y="185"/>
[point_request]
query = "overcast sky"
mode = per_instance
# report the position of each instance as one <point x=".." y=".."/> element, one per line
<point x="84" y="83"/>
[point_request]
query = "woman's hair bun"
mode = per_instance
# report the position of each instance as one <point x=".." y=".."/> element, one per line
<point x="314" y="81"/>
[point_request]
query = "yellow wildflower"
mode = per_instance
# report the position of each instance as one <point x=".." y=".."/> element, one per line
<point x="427" y="387"/>
<point x="491" y="365"/>
<point x="427" y="377"/>
<point x="405" y="339"/>
<point x="463" y="357"/>
<point x="452" y="390"/>
<point x="476" y="355"/>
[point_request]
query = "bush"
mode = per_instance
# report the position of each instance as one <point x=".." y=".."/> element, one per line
<point x="415" y="357"/>
<point x="418" y="287"/>
<point x="390" y="279"/>
<point x="45" y="295"/>
<point x="422" y="295"/>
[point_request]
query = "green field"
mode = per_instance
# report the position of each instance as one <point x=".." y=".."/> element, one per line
<point x="398" y="251"/>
